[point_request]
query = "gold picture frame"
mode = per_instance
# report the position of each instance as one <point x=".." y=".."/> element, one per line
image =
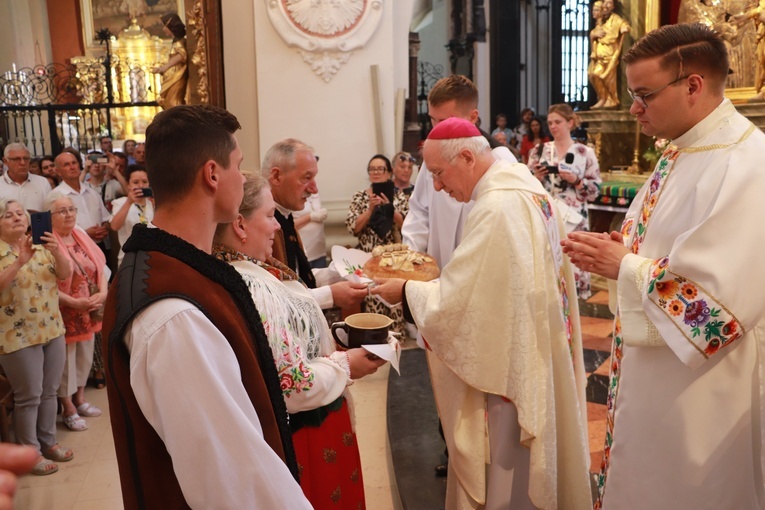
<point x="98" y="14"/>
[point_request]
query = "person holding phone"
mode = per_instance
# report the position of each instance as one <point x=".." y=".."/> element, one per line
<point x="32" y="348"/>
<point x="377" y="213"/>
<point x="575" y="183"/>
<point x="375" y="217"/>
<point x="81" y="299"/>
<point x="136" y="208"/>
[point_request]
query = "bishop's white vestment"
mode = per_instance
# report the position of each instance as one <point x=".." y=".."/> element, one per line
<point x="503" y="323"/>
<point x="687" y="388"/>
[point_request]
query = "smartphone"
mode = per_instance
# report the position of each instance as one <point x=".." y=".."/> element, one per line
<point x="551" y="169"/>
<point x="93" y="158"/>
<point x="41" y="223"/>
<point x="147" y="192"/>
<point x="383" y="188"/>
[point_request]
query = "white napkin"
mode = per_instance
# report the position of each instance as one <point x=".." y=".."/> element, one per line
<point x="349" y="263"/>
<point x="390" y="352"/>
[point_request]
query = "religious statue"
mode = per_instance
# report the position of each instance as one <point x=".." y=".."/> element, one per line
<point x="758" y="15"/>
<point x="175" y="72"/>
<point x="728" y="18"/>
<point x="607" y="38"/>
<point x="597" y="13"/>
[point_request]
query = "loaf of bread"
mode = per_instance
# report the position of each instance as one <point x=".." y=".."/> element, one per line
<point x="398" y="261"/>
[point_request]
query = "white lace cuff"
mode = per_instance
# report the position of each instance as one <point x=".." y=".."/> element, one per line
<point x="342" y="359"/>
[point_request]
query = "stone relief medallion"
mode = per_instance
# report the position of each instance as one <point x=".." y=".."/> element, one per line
<point x="325" y="32"/>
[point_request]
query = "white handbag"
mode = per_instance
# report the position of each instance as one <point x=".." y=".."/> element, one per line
<point x="571" y="217"/>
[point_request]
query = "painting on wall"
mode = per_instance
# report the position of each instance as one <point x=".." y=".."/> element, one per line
<point x="117" y="14"/>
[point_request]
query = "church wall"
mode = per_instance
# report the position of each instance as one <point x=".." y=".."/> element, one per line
<point x="276" y="95"/>
<point x="434" y="37"/>
<point x="24" y="35"/>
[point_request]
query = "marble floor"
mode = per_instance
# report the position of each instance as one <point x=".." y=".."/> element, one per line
<point x="91" y="480"/>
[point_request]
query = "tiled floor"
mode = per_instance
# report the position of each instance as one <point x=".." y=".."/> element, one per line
<point x="596" y="341"/>
<point x="91" y="480"/>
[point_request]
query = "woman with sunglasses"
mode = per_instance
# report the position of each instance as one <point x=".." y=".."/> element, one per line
<point x="403" y="166"/>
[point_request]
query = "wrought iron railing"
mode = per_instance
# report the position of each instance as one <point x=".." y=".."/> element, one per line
<point x="62" y="105"/>
<point x="429" y="74"/>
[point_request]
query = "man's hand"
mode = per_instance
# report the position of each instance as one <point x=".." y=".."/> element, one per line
<point x="390" y="289"/>
<point x="348" y="294"/>
<point x="363" y="363"/>
<point x="14" y="460"/>
<point x="598" y="253"/>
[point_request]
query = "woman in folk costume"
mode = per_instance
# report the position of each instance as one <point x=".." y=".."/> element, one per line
<point x="313" y="373"/>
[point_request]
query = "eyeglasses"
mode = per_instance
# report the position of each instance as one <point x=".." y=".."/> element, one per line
<point x="17" y="160"/>
<point x="65" y="211"/>
<point x="404" y="157"/>
<point x="641" y="98"/>
<point x="377" y="169"/>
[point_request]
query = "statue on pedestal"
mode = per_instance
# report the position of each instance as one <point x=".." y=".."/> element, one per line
<point x="175" y="72"/>
<point x="597" y="15"/>
<point x="607" y="38"/>
<point x="758" y="15"/>
<point x="728" y="18"/>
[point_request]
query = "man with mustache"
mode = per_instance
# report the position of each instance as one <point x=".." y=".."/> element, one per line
<point x="290" y="167"/>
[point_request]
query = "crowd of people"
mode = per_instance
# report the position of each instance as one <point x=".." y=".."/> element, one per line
<point x="54" y="291"/>
<point x="217" y="301"/>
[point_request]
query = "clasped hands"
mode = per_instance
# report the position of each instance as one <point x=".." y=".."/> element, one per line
<point x="597" y="252"/>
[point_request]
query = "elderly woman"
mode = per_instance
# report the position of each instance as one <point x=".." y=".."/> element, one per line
<point x="576" y="183"/>
<point x="81" y="298"/>
<point x="313" y="374"/>
<point x="32" y="350"/>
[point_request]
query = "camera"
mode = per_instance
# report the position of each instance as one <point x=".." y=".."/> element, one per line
<point x="551" y="169"/>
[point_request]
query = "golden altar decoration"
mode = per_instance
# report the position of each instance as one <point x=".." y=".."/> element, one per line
<point x="133" y="55"/>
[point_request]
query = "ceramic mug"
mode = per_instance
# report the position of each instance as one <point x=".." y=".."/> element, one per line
<point x="363" y="328"/>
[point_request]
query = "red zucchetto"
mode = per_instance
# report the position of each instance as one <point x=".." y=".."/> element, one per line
<point x="453" y="127"/>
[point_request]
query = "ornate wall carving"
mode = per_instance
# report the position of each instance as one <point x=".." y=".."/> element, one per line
<point x="325" y="32"/>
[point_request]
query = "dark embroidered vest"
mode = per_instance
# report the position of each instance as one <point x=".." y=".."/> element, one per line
<point x="158" y="265"/>
<point x="288" y="249"/>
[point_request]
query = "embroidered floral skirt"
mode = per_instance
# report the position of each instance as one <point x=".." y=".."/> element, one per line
<point x="329" y="464"/>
